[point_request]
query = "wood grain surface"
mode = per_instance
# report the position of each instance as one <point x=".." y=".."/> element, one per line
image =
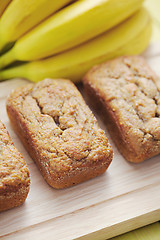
<point x="126" y="197"/>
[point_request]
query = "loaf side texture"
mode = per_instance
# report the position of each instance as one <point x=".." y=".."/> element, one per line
<point x="14" y="173"/>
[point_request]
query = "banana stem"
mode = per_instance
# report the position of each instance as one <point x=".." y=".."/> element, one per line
<point x="7" y="59"/>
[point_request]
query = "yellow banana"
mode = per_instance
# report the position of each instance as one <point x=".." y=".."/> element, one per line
<point x="22" y="15"/>
<point x="129" y="38"/>
<point x="71" y="26"/>
<point x="3" y="5"/>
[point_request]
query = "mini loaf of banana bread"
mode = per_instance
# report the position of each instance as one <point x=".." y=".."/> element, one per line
<point x="128" y="92"/>
<point x="14" y="174"/>
<point x="59" y="131"/>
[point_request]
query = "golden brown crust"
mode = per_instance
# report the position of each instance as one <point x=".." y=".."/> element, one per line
<point x="14" y="173"/>
<point x="128" y="91"/>
<point x="59" y="131"/>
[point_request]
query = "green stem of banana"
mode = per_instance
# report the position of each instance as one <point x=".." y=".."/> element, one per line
<point x="7" y="59"/>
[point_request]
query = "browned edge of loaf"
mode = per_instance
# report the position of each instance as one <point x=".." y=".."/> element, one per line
<point x="13" y="199"/>
<point x="96" y="101"/>
<point x="14" y="196"/>
<point x="66" y="180"/>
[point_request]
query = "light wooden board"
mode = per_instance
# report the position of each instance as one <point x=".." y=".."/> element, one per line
<point x="126" y="197"/>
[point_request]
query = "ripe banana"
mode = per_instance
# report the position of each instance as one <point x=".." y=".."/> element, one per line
<point x="3" y="5"/>
<point x="129" y="38"/>
<point x="22" y="15"/>
<point x="71" y="26"/>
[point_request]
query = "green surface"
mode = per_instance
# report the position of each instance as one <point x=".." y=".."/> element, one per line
<point x="154" y="8"/>
<point x="150" y="232"/>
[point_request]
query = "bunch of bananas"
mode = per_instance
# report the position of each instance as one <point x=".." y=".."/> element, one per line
<point x="44" y="38"/>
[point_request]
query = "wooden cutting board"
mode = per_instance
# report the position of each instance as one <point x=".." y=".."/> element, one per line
<point x="126" y="197"/>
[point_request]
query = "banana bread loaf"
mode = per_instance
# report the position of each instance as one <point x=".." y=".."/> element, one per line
<point x="128" y="91"/>
<point x="59" y="131"/>
<point x="14" y="174"/>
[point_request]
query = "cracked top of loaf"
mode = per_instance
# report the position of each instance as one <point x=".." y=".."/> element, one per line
<point x="131" y="91"/>
<point x="61" y="128"/>
<point x="14" y="172"/>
